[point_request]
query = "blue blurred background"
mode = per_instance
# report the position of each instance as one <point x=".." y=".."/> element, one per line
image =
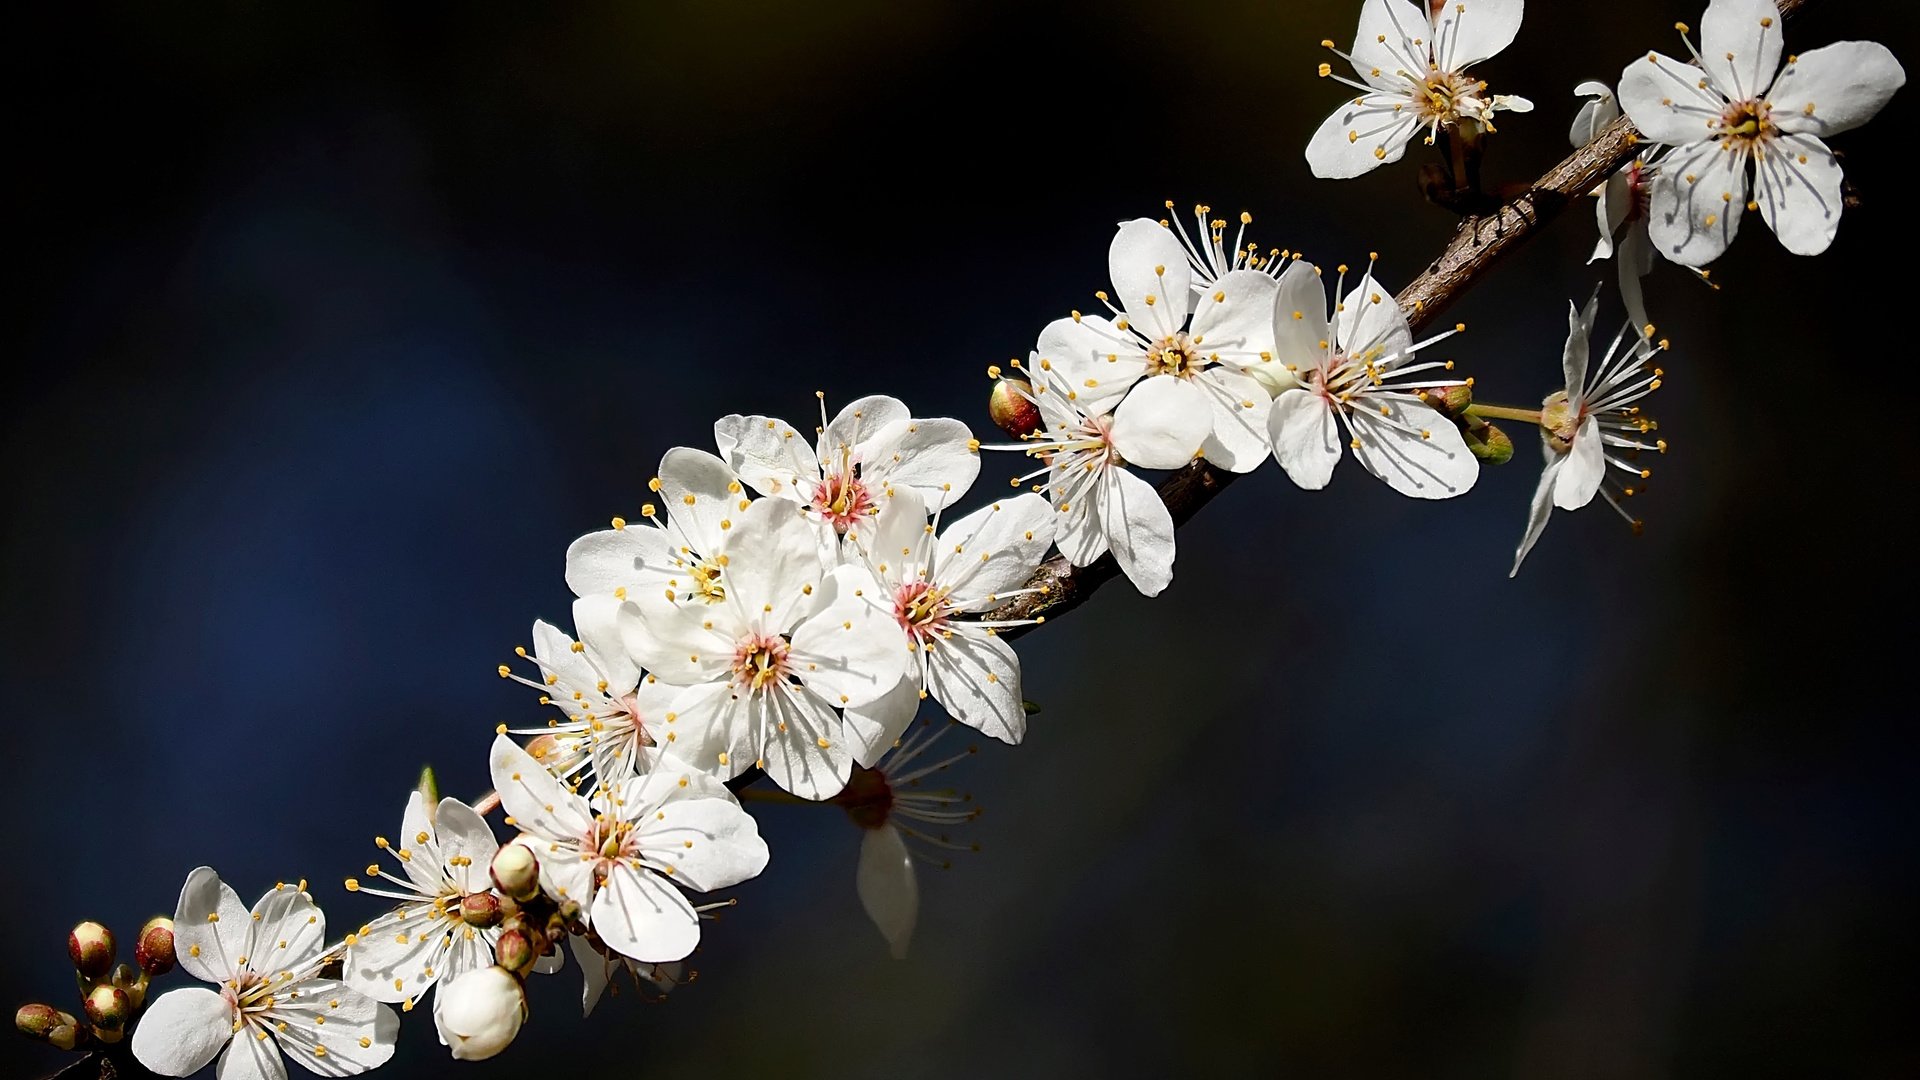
<point x="334" y="324"/>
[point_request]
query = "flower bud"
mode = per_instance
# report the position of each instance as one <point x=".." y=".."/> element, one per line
<point x="1451" y="401"/>
<point x="91" y="947"/>
<point x="109" y="1010"/>
<point x="480" y="909"/>
<point x="516" y="871"/>
<point x="154" y="951"/>
<point x="1011" y="406"/>
<point x="37" y="1021"/>
<point x="133" y="981"/>
<point x="479" y="1013"/>
<point x="1488" y="443"/>
<point x="515" y="951"/>
<point x="67" y="1035"/>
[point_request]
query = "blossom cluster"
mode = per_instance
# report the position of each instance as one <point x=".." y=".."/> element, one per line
<point x="791" y="597"/>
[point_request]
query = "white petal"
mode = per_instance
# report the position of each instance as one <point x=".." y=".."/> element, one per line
<point x="774" y="459"/>
<point x="1693" y="220"/>
<point x="1077" y="529"/>
<point x="1537" y="514"/>
<point x="603" y="624"/>
<point x="1162" y="423"/>
<point x="596" y="968"/>
<point x="1151" y="279"/>
<point x="1306" y="441"/>
<point x="1238" y="405"/>
<point x="1663" y="100"/>
<point x="210" y="927"/>
<point x="795" y="727"/>
<point x="181" y="1031"/>
<point x="975" y="676"/>
<point x="1599" y="110"/>
<point x="686" y="473"/>
<point x="563" y="872"/>
<point x="640" y="916"/>
<point x="932" y="457"/>
<point x="874" y="727"/>
<point x="1361" y="135"/>
<point x="1138" y="528"/>
<point x="710" y="843"/>
<point x="1573" y="356"/>
<point x="1083" y="349"/>
<point x="250" y="1057"/>
<point x="1750" y="31"/>
<point x="687" y="640"/>
<point x="1582" y="468"/>
<point x="379" y="958"/>
<point x="888" y="890"/>
<point x="896" y="538"/>
<point x="288" y="928"/>
<point x="859" y="420"/>
<point x="600" y="562"/>
<point x="1429" y="462"/>
<point x="1846" y="83"/>
<point x="1798" y="189"/>
<point x="1233" y="320"/>
<point x="1014" y="535"/>
<point x="1382" y="40"/>
<point x="1370" y="320"/>
<point x="465" y="835"/>
<point x="330" y="1014"/>
<point x="773" y="559"/>
<point x="553" y="652"/>
<point x="1636" y="260"/>
<point x="726" y="433"/>
<point x="540" y="804"/>
<point x="1611" y="202"/>
<point x="710" y="729"/>
<point x="1466" y="32"/>
<point x="422" y="861"/>
<point x="852" y="650"/>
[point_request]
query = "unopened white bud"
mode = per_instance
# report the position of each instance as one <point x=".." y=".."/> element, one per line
<point x="479" y="1013"/>
<point x="516" y="872"/>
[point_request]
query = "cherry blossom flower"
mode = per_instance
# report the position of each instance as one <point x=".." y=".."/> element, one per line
<point x="479" y="1014"/>
<point x="620" y="853"/>
<point x="903" y="823"/>
<point x="1741" y="120"/>
<point x="1355" y="379"/>
<point x="443" y="854"/>
<point x="1592" y="424"/>
<point x="873" y="445"/>
<point x="271" y="998"/>
<point x="615" y="714"/>
<point x="680" y="550"/>
<point x="1102" y="506"/>
<point x="934" y="585"/>
<point x="768" y="669"/>
<point x="1412" y="68"/>
<point x="1184" y="390"/>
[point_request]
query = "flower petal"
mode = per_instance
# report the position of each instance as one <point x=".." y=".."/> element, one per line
<point x="1384" y="41"/>
<point x="1083" y="349"/>
<point x="1595" y="113"/>
<point x="709" y="728"/>
<point x="935" y="458"/>
<point x="1299" y="327"/>
<point x="1306" y="441"/>
<point x="774" y="459"/>
<point x="640" y="916"/>
<point x="1835" y="87"/>
<point x="804" y="746"/>
<point x="1696" y="203"/>
<point x="1573" y="356"/>
<point x="686" y="640"/>
<point x="1151" y="278"/>
<point x="421" y="859"/>
<point x="1740" y="45"/>
<point x="1582" y="468"/>
<point x="1798" y="189"/>
<point x="874" y="727"/>
<point x="623" y="558"/>
<point x="1663" y="100"/>
<point x="710" y="843"/>
<point x="1138" y="528"/>
<point x="465" y="836"/>
<point x="540" y="804"/>
<point x="975" y="676"/>
<point x="1001" y="544"/>
<point x="887" y="887"/>
<point x="700" y="491"/>
<point x="1233" y="320"/>
<point x="1238" y="405"/>
<point x="287" y="928"/>
<point x="210" y="927"/>
<point x="251" y="1055"/>
<point x="327" y="1025"/>
<point x="389" y="962"/>
<point x="852" y="650"/>
<point x="858" y="421"/>
<point x="597" y="969"/>
<point x="1162" y="423"/>
<point x="773" y="559"/>
<point x="1537" y="514"/>
<point x="1466" y="32"/>
<point x="1362" y="134"/>
<point x="182" y="1030"/>
<point x="1417" y="451"/>
<point x="1369" y="320"/>
<point x="603" y="624"/>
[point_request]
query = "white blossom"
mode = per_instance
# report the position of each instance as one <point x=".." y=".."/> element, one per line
<point x="769" y="667"/>
<point x="1592" y="424"/>
<point x="271" y="998"/>
<point x="443" y="853"/>
<point x="1183" y="384"/>
<point x="620" y="853"/>
<point x="1102" y="506"/>
<point x="1748" y="133"/>
<point x="872" y="446"/>
<point x="1356" y="386"/>
<point x="680" y="549"/>
<point x="934" y="584"/>
<point x="478" y="1014"/>
<point x="1412" y="67"/>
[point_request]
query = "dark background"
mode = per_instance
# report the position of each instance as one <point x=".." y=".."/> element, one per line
<point x="333" y="326"/>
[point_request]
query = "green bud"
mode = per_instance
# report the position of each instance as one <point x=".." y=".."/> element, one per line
<point x="1451" y="400"/>
<point x="90" y="946"/>
<point x="1489" y="444"/>
<point x="132" y="980"/>
<point x="1030" y="708"/>
<point x="429" y="786"/>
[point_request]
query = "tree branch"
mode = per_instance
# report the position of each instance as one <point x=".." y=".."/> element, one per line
<point x="1476" y="246"/>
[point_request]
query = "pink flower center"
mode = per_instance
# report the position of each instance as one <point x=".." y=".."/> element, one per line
<point x="1175" y="355"/>
<point x="1745" y="126"/>
<point x="1639" y="192"/>
<point x="921" y="610"/>
<point x="760" y="660"/>
<point x="842" y="498"/>
<point x="608" y="842"/>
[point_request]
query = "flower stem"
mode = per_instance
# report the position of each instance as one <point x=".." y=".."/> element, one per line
<point x="1503" y="412"/>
